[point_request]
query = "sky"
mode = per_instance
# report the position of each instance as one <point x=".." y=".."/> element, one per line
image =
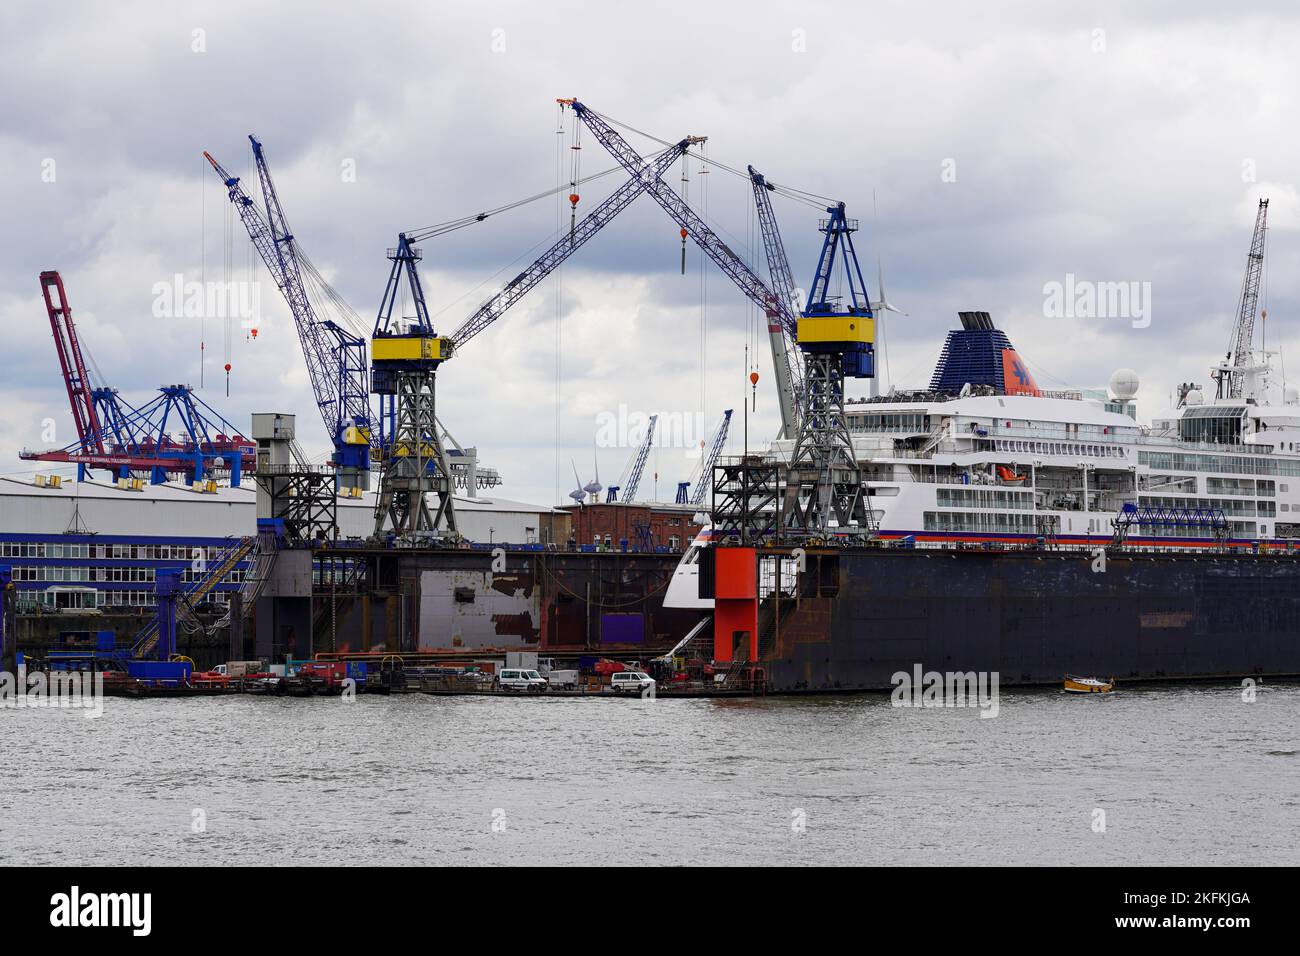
<point x="990" y="153"/>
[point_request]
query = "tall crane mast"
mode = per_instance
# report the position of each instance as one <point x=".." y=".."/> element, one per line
<point x="635" y="467"/>
<point x="731" y="264"/>
<point x="336" y="357"/>
<point x="405" y="357"/>
<point x="1232" y="374"/>
<point x="824" y="480"/>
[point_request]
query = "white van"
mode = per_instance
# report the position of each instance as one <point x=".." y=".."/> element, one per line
<point x="630" y="682"/>
<point x="522" y="680"/>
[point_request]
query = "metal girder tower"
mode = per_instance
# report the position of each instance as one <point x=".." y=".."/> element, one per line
<point x="1231" y="376"/>
<point x="635" y="467"/>
<point x="717" y="250"/>
<point x="824" y="480"/>
<point x="405" y="356"/>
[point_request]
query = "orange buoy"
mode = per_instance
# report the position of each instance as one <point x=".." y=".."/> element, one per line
<point x="753" y="378"/>
<point x="573" y="198"/>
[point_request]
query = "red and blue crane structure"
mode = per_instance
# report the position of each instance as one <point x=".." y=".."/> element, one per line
<point x="175" y="434"/>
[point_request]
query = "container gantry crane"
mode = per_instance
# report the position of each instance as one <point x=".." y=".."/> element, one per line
<point x="635" y="467"/>
<point x="774" y="308"/>
<point x="406" y="354"/>
<point x="135" y="442"/>
<point x="1231" y="376"/>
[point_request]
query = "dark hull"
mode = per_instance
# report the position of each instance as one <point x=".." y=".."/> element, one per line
<point x="1033" y="617"/>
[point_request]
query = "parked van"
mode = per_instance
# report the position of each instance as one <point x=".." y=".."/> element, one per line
<point x="522" y="680"/>
<point x="630" y="682"/>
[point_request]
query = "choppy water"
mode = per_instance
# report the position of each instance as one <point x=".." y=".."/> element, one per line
<point x="1185" y="774"/>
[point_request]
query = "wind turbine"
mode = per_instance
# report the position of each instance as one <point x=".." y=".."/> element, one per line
<point x="578" y="494"/>
<point x="593" y="487"/>
<point x="878" y="309"/>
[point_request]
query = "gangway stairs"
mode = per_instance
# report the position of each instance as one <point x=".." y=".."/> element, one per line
<point x="229" y="559"/>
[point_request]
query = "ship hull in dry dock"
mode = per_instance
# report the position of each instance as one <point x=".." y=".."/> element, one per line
<point x="1033" y="616"/>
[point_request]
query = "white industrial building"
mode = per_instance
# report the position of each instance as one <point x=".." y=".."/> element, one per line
<point x="92" y="536"/>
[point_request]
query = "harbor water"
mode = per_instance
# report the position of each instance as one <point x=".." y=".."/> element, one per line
<point x="1176" y="774"/>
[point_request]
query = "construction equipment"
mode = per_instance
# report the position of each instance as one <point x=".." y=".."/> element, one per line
<point x="636" y="465"/>
<point x="824" y="480"/>
<point x="776" y="310"/>
<point x="336" y="356"/>
<point x="334" y="348"/>
<point x="1239" y="366"/>
<point x="175" y="434"/>
<point x="702" y="475"/>
<point x="406" y="353"/>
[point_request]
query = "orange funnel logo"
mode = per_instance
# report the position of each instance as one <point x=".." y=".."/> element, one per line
<point x="1016" y="375"/>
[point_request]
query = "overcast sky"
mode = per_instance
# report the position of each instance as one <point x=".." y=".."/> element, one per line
<point x="988" y="150"/>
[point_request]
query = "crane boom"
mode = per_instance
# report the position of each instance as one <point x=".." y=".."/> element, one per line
<point x="1232" y="379"/>
<point x="643" y="175"/>
<point x="336" y="359"/>
<point x="638" y="466"/>
<point x="707" y="466"/>
<point x="84" y="416"/>
<point x="785" y="350"/>
<point x="727" y="260"/>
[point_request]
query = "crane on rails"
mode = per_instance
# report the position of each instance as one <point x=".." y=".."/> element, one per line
<point x="823" y="479"/>
<point x="406" y="353"/>
<point x="702" y="476"/>
<point x="176" y="433"/>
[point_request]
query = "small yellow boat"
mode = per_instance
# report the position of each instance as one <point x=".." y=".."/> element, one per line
<point x="1088" y="685"/>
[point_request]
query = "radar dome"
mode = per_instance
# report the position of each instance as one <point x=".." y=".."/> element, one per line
<point x="1124" y="384"/>
<point x="1194" y="397"/>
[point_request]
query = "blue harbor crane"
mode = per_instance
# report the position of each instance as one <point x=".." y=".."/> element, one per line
<point x="824" y="480"/>
<point x="635" y="466"/>
<point x="785" y="351"/>
<point x="407" y="352"/>
<point x="336" y="356"/>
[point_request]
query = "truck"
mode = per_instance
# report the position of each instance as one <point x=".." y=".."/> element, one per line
<point x="556" y="676"/>
<point x="239" y="668"/>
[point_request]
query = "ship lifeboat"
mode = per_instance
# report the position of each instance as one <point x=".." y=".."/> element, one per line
<point x="1009" y="476"/>
<point x="1088" y="685"/>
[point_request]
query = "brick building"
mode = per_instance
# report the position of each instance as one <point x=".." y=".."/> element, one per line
<point x="644" y="525"/>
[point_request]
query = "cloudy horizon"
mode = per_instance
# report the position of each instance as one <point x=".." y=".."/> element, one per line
<point x="988" y="153"/>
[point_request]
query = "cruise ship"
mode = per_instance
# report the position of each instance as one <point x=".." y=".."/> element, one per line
<point x="985" y="455"/>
